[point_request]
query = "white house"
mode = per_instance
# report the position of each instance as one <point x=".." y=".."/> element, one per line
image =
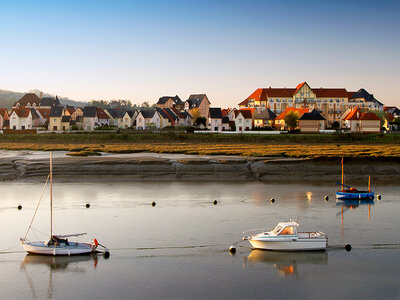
<point x="243" y="120"/>
<point x="214" y="121"/>
<point x="21" y="118"/>
<point x="148" y="119"/>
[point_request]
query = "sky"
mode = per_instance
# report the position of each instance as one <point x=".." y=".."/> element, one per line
<point x="142" y="50"/>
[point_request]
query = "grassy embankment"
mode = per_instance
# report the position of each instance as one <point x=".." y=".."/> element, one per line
<point x="289" y="145"/>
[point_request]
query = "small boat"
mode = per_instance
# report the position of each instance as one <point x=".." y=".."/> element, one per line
<point x="351" y="193"/>
<point x="284" y="237"/>
<point x="57" y="244"/>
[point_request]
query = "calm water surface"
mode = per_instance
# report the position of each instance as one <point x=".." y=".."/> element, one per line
<point x="179" y="249"/>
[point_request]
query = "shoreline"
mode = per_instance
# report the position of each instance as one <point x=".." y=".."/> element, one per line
<point x="33" y="166"/>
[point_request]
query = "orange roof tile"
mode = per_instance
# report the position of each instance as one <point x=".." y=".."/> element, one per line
<point x="45" y="112"/>
<point x="298" y="87"/>
<point x="4" y="113"/>
<point x="355" y="114"/>
<point x="300" y="111"/>
<point x="22" y="112"/>
<point x="369" y="116"/>
<point x="101" y="113"/>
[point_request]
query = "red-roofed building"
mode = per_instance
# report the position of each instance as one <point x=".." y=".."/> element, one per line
<point x="370" y="122"/>
<point x="244" y="119"/>
<point x="21" y="119"/>
<point x="330" y="102"/>
<point x="280" y="120"/>
<point x="357" y="121"/>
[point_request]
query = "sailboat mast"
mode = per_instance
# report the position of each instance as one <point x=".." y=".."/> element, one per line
<point x="342" y="175"/>
<point x="51" y="196"/>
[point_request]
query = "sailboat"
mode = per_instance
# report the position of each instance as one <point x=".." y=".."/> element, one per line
<point x="352" y="193"/>
<point x="57" y="244"/>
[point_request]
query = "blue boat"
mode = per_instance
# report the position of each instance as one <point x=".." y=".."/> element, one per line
<point x="351" y="193"/>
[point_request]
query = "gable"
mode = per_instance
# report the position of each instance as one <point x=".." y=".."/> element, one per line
<point x="303" y="90"/>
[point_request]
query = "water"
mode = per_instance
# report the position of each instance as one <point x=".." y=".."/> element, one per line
<point x="179" y="248"/>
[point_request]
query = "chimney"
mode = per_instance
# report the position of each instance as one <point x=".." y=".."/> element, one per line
<point x="41" y="95"/>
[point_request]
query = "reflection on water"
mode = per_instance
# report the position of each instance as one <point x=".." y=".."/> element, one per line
<point x="70" y="264"/>
<point x="350" y="205"/>
<point x="287" y="263"/>
<point x="184" y="241"/>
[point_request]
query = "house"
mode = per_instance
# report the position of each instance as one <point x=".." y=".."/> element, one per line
<point x="21" y="119"/>
<point x="4" y="119"/>
<point x="28" y="100"/>
<point x="69" y="110"/>
<point x="370" y="122"/>
<point x="44" y="114"/>
<point x="169" y="101"/>
<point x="243" y="119"/>
<point x="330" y="102"/>
<point x="165" y="118"/>
<point x="148" y="119"/>
<point x="89" y="118"/>
<point x="280" y="119"/>
<point x="66" y="122"/>
<point x="187" y="119"/>
<point x="392" y="110"/>
<point x="198" y="105"/>
<point x="77" y="112"/>
<point x="112" y="114"/>
<point x="102" y="118"/>
<point x="125" y="119"/>
<point x="49" y="102"/>
<point x="225" y="124"/>
<point x="214" y="122"/>
<point x="172" y="117"/>
<point x="263" y="117"/>
<point x="56" y="113"/>
<point x="312" y="122"/>
<point x="351" y="120"/>
<point x="37" y="119"/>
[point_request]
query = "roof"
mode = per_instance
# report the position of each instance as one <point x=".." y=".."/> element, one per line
<point x="162" y="113"/>
<point x="113" y="112"/>
<point x="369" y="116"/>
<point x="265" y="114"/>
<point x="56" y="111"/>
<point x="362" y="93"/>
<point x="300" y="111"/>
<point x="164" y="99"/>
<point x="66" y="119"/>
<point x="354" y="114"/>
<point x="313" y="115"/>
<point x="147" y="113"/>
<point x="185" y="115"/>
<point x="247" y="113"/>
<point x="330" y="93"/>
<point x="196" y="99"/>
<point x="45" y="112"/>
<point x="101" y="114"/>
<point x="22" y="112"/>
<point x="89" y="112"/>
<point x="70" y="109"/>
<point x="34" y="114"/>
<point x="49" y="101"/>
<point x="225" y="120"/>
<point x="30" y="98"/>
<point x="4" y="113"/>
<point x="350" y="94"/>
<point x="389" y="117"/>
<point x="299" y="86"/>
<point x="215" y="113"/>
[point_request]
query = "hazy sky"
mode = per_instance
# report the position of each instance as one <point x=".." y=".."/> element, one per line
<point x="142" y="50"/>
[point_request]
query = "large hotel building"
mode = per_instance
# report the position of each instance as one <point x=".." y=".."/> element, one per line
<point x="330" y="102"/>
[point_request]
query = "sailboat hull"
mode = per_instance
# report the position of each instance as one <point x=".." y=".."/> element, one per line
<point x="72" y="249"/>
<point x="347" y="195"/>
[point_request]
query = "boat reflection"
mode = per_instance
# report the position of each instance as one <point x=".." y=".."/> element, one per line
<point x="350" y="205"/>
<point x="33" y="263"/>
<point x="287" y="263"/>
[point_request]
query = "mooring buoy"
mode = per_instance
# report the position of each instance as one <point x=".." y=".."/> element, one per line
<point x="347" y="247"/>
<point x="326" y="198"/>
<point x="232" y="249"/>
<point x="379" y="197"/>
<point x="87" y="205"/>
<point x="19" y="207"/>
<point x="106" y="254"/>
<point x="215" y="202"/>
<point x="153" y="203"/>
<point x="272" y="200"/>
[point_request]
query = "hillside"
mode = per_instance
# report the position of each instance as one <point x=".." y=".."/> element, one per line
<point x="8" y="98"/>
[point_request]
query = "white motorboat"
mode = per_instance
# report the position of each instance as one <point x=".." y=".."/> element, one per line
<point x="57" y="244"/>
<point x="284" y="237"/>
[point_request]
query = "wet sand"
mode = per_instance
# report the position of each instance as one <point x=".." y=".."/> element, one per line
<point x="34" y="166"/>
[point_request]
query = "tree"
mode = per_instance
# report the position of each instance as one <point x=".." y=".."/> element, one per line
<point x="146" y="104"/>
<point x="195" y="113"/>
<point x="291" y="120"/>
